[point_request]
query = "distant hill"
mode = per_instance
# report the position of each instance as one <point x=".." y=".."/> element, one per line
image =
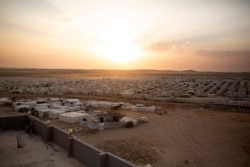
<point x="100" y="73"/>
<point x="190" y="71"/>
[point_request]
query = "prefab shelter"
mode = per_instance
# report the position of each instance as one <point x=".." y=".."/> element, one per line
<point x="144" y="109"/>
<point x="72" y="102"/>
<point x="110" y="119"/>
<point x="126" y="95"/>
<point x="73" y="108"/>
<point x="42" y="112"/>
<point x="72" y="117"/>
<point x="53" y="113"/>
<point x="105" y="104"/>
<point x="22" y="108"/>
<point x="32" y="104"/>
<point x="54" y="99"/>
<point x="5" y="101"/>
<point x="125" y="120"/>
<point x="93" y="122"/>
<point x="92" y="104"/>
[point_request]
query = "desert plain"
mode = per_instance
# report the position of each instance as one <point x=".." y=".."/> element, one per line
<point x="202" y="119"/>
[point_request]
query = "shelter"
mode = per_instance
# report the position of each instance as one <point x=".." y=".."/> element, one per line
<point x="5" y="101"/>
<point x="144" y="109"/>
<point x="54" y="113"/>
<point x="125" y="120"/>
<point x="72" y="117"/>
<point x="110" y="119"/>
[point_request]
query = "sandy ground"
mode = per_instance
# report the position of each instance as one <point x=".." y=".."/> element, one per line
<point x="187" y="138"/>
<point x="181" y="137"/>
<point x="35" y="153"/>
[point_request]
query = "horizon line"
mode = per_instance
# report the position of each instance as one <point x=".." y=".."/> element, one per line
<point x="166" y="70"/>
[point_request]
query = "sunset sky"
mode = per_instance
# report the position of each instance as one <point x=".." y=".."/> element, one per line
<point x="126" y="34"/>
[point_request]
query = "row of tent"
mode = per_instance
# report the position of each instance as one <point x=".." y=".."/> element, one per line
<point x="69" y="110"/>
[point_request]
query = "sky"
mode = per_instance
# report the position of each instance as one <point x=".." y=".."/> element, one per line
<point x="126" y="34"/>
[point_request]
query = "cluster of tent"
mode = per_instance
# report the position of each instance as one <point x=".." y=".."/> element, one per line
<point x="86" y="113"/>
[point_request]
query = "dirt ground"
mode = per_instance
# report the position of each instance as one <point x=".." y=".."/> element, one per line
<point x="179" y="138"/>
<point x="35" y="153"/>
<point x="185" y="136"/>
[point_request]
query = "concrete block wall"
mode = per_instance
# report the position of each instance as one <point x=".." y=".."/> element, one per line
<point x="85" y="153"/>
<point x="13" y="122"/>
<point x="39" y="127"/>
<point x="60" y="137"/>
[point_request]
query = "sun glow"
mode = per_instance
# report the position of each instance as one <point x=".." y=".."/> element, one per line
<point x="116" y="42"/>
<point x="119" y="52"/>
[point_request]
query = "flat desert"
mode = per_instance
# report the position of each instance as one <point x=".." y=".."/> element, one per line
<point x="183" y="131"/>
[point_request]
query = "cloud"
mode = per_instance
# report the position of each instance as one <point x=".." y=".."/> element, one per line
<point x="224" y="53"/>
<point x="165" y="46"/>
<point x="67" y="19"/>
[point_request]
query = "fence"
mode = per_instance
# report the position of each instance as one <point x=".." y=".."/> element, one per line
<point x="85" y="153"/>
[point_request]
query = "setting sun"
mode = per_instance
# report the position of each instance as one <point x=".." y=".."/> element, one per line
<point x="119" y="52"/>
<point x="116" y="40"/>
